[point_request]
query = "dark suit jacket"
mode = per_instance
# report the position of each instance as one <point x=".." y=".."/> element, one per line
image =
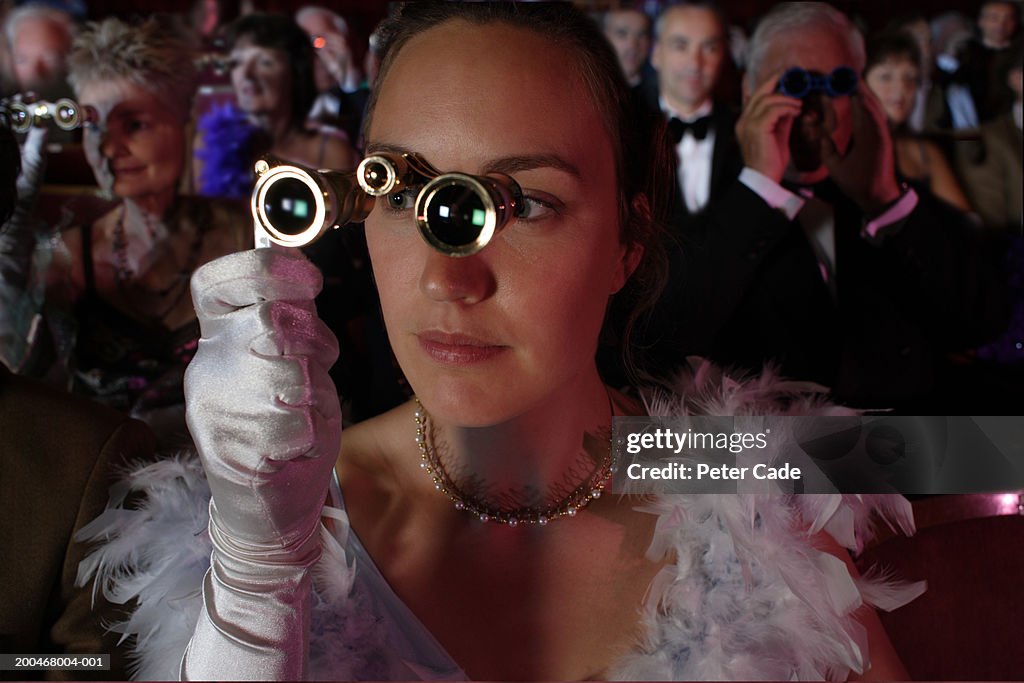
<point x="746" y="289"/>
<point x="57" y="458"/>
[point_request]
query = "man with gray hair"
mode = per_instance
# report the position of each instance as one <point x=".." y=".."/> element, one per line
<point x="818" y="260"/>
<point x="40" y="39"/>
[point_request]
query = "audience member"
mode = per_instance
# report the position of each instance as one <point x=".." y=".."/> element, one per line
<point x="58" y="456"/>
<point x="271" y="71"/>
<point x="208" y="18"/>
<point x="629" y="31"/>
<point x="690" y="51"/>
<point x="817" y="260"/>
<point x="928" y="103"/>
<point x="40" y="39"/>
<point x="993" y="175"/>
<point x="893" y="73"/>
<point x="951" y="32"/>
<point x="983" y="58"/>
<point x="997" y="23"/>
<point x="117" y="299"/>
<point x="343" y="95"/>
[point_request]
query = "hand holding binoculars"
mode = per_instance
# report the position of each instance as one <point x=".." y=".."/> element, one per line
<point x="23" y="112"/>
<point x="456" y="213"/>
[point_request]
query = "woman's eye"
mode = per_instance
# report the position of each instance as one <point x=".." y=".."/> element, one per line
<point x="534" y="209"/>
<point x="402" y="200"/>
<point x="135" y="125"/>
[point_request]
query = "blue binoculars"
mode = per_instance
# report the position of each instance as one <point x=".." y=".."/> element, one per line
<point x="799" y="83"/>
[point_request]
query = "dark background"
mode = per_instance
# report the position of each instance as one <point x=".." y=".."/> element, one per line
<point x="363" y="15"/>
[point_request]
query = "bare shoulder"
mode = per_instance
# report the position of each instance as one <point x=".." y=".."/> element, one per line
<point x="374" y="466"/>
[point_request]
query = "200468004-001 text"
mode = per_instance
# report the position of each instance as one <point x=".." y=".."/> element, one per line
<point x="52" y="662"/>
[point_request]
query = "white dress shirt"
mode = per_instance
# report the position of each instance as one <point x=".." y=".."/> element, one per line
<point x="694" y="159"/>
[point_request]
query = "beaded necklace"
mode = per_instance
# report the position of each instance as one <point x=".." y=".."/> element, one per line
<point x="124" y="274"/>
<point x="579" y="498"/>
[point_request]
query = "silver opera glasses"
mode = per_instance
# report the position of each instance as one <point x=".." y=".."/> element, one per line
<point x="457" y="214"/>
<point x="23" y="112"/>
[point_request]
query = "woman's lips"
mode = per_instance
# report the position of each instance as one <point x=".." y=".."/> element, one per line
<point x="452" y="348"/>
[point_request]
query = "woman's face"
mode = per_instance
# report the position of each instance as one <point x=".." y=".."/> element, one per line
<point x="262" y="78"/>
<point x="136" y="143"/>
<point x="895" y="82"/>
<point x="487" y="337"/>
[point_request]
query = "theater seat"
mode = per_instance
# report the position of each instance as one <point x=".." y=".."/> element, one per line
<point x="969" y="625"/>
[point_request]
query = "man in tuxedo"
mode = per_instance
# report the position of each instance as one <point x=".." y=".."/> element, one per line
<point x="690" y="53"/>
<point x="816" y="259"/>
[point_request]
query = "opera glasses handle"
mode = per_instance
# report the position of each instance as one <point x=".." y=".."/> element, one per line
<point x="456" y="213"/>
<point x="22" y="113"/>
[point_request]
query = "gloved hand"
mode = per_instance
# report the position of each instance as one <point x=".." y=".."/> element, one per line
<point x="266" y="420"/>
<point x="261" y="407"/>
<point x="23" y="271"/>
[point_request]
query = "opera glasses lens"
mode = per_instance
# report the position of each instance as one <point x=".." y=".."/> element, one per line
<point x="66" y="114"/>
<point x="18" y="116"/>
<point x="294" y="205"/>
<point x="459" y="214"/>
<point x="382" y="174"/>
<point x="290" y="205"/>
<point x="800" y="83"/>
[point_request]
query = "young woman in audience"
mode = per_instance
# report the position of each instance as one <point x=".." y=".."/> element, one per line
<point x="471" y="532"/>
<point x="894" y="74"/>
<point x="271" y="63"/>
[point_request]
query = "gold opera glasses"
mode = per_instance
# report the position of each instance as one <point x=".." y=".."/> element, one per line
<point x="457" y="214"/>
<point x="24" y="111"/>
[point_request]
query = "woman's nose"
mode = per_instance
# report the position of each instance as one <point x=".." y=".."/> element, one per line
<point x="107" y="144"/>
<point x="467" y="280"/>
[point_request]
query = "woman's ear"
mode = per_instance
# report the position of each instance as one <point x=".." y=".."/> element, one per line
<point x="632" y="248"/>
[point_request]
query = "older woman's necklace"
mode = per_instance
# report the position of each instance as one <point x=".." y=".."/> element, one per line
<point x="125" y="274"/>
<point x="578" y="499"/>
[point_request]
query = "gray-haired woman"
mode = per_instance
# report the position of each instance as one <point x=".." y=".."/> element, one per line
<point x="117" y="289"/>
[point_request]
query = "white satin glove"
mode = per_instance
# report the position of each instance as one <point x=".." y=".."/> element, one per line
<point x="266" y="420"/>
<point x="22" y="272"/>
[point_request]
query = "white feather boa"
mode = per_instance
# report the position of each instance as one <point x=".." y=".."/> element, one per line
<point x="748" y="597"/>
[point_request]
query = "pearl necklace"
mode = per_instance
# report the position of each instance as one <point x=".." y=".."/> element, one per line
<point x="578" y="499"/>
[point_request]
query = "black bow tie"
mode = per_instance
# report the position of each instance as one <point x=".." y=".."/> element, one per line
<point x="698" y="129"/>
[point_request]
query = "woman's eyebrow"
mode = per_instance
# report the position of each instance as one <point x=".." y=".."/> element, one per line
<point x="509" y="165"/>
<point x="528" y="162"/>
